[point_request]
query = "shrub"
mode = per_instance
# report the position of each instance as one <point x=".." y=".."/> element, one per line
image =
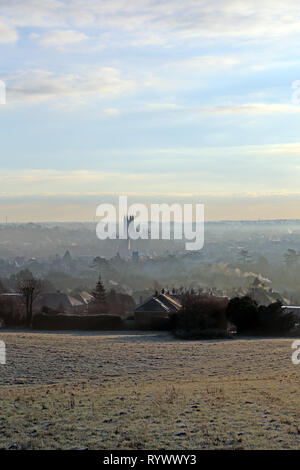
<point x="243" y="313"/>
<point x="294" y="333"/>
<point x="12" y="311"/>
<point x="49" y="310"/>
<point x="273" y="319"/>
<point x="151" y="321"/>
<point x="198" y="313"/>
<point x="250" y="318"/>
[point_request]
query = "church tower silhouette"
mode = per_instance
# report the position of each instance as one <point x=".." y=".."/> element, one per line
<point x="125" y="244"/>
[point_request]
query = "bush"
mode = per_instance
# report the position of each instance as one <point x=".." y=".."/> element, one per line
<point x="273" y="320"/>
<point x="294" y="333"/>
<point x="200" y="312"/>
<point x="12" y="311"/>
<point x="51" y="311"/>
<point x="243" y="313"/>
<point x="151" y="321"/>
<point x="250" y="318"/>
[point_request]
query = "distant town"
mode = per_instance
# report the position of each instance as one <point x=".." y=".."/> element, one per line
<point x="238" y="258"/>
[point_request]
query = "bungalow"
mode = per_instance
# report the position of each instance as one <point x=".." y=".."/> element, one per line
<point x="59" y="301"/>
<point x="154" y="313"/>
<point x="84" y="297"/>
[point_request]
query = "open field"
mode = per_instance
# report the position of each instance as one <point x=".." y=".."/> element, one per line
<point x="144" y="390"/>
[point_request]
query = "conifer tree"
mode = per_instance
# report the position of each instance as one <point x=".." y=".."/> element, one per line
<point x="99" y="293"/>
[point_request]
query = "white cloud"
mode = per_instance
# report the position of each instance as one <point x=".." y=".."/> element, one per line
<point x="253" y="108"/>
<point x="245" y="108"/>
<point x="171" y="21"/>
<point x="236" y="150"/>
<point x="60" y="38"/>
<point x="87" y="182"/>
<point x="112" y="112"/>
<point x="207" y="63"/>
<point x="7" y="33"/>
<point x="93" y="83"/>
<point x="47" y="13"/>
<point x="162" y="107"/>
<point x="279" y="149"/>
<point x="76" y="182"/>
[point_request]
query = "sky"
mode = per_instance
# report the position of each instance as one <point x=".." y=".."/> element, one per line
<point x="163" y="101"/>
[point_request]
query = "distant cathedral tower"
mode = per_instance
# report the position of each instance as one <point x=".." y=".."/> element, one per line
<point x="124" y="245"/>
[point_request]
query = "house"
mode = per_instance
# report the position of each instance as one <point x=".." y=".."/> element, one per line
<point x="265" y="296"/>
<point x="59" y="301"/>
<point x="84" y="297"/>
<point x="120" y="304"/>
<point x="116" y="304"/>
<point x="155" y="312"/>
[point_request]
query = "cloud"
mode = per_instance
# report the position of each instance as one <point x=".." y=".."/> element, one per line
<point x="245" y="108"/>
<point x="207" y="63"/>
<point x="252" y="108"/>
<point x="112" y="112"/>
<point x="167" y="22"/>
<point x="82" y="206"/>
<point x="38" y="182"/>
<point x="74" y="195"/>
<point x="86" y="183"/>
<point x="46" y="14"/>
<point x="7" y="33"/>
<point x="234" y="151"/>
<point x="162" y="107"/>
<point x="91" y="83"/>
<point x="216" y="170"/>
<point x="60" y="38"/>
<point x="278" y="149"/>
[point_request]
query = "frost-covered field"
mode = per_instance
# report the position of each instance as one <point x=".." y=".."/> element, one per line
<point x="137" y="390"/>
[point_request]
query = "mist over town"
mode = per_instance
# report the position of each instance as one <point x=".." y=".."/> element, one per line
<point x="149" y="231"/>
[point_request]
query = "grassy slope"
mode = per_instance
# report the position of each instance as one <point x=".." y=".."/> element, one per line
<point x="125" y="391"/>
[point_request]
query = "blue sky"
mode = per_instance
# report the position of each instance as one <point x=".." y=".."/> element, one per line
<point x="165" y="101"/>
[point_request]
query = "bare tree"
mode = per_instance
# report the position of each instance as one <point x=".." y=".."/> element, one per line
<point x="29" y="288"/>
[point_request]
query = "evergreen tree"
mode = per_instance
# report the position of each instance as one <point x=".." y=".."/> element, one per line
<point x="99" y="293"/>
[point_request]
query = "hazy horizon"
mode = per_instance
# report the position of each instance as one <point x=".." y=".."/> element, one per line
<point x="17" y="222"/>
